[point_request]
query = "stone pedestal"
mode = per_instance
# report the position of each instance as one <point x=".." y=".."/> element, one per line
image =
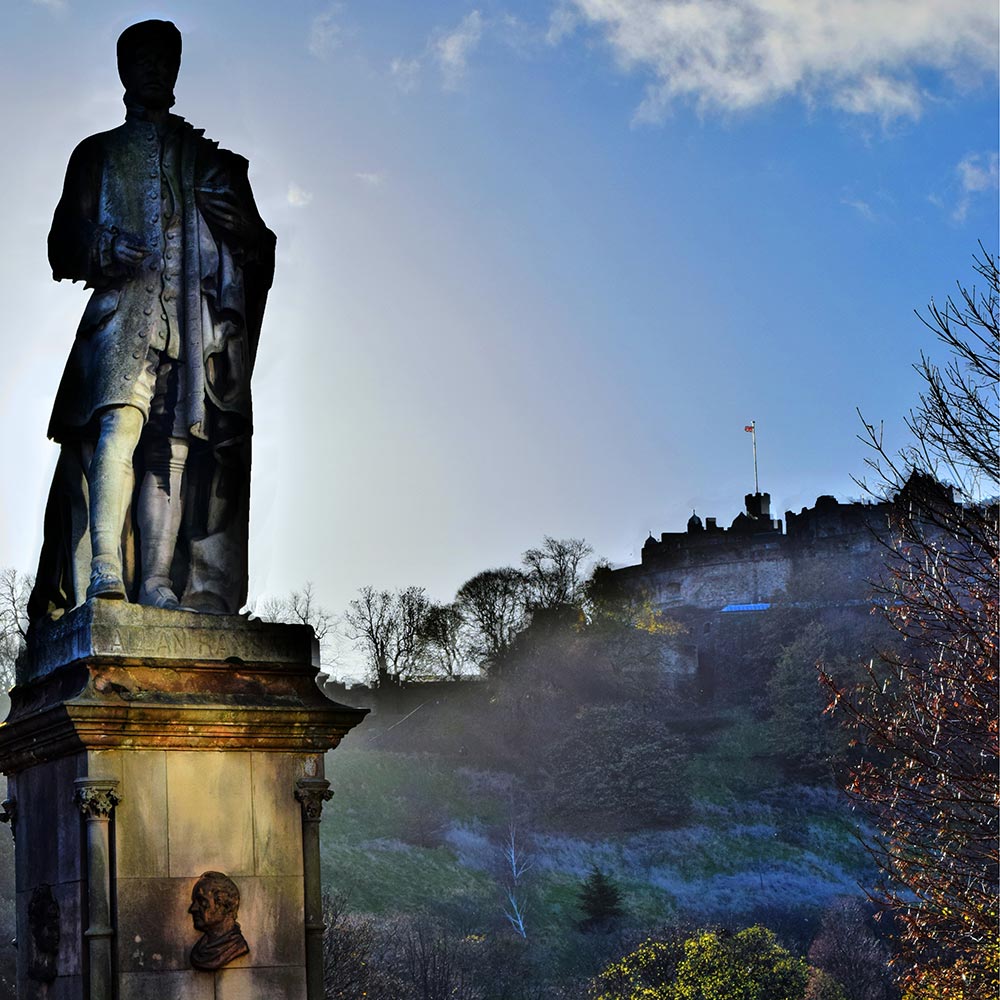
<point x="145" y="748"/>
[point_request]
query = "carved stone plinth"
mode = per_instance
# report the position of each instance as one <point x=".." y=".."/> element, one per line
<point x="146" y="748"/>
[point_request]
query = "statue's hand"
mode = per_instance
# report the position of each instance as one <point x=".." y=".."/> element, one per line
<point x="128" y="250"/>
<point x="222" y="210"/>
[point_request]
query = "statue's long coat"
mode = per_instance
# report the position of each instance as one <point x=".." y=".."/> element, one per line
<point x="214" y="286"/>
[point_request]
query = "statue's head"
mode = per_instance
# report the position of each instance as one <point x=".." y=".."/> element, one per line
<point x="149" y="57"/>
<point x="215" y="901"/>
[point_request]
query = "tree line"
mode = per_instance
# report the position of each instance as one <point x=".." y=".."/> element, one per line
<point x="405" y="635"/>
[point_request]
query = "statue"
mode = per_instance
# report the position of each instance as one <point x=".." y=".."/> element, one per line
<point x="150" y="498"/>
<point x="215" y="902"/>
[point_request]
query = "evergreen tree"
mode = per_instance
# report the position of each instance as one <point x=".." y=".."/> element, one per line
<point x="600" y="900"/>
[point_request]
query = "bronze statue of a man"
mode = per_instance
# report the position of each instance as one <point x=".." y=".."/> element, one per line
<point x="150" y="499"/>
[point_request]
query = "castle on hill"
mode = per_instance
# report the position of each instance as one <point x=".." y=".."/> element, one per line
<point x="728" y="586"/>
<point x="824" y="554"/>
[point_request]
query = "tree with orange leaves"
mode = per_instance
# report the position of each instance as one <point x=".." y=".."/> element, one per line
<point x="925" y="719"/>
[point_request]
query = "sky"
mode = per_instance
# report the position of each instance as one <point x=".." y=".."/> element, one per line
<point x="538" y="263"/>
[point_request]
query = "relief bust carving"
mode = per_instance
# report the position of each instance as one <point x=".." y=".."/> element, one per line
<point x="215" y="902"/>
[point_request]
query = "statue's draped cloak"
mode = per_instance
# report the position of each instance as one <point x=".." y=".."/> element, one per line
<point x="215" y="294"/>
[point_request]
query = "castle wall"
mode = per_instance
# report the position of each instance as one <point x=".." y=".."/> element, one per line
<point x="823" y="565"/>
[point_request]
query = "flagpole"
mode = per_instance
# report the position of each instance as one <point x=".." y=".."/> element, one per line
<point x="753" y="434"/>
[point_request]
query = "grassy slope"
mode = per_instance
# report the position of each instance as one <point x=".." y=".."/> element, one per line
<point x="410" y="831"/>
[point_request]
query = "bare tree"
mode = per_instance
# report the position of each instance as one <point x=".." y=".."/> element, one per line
<point x="848" y="948"/>
<point x="388" y="626"/>
<point x="443" y="629"/>
<point x="494" y="605"/>
<point x="302" y="608"/>
<point x="351" y="948"/>
<point x="14" y="590"/>
<point x="433" y="966"/>
<point x="516" y="864"/>
<point x="554" y="571"/>
<point x="927" y="716"/>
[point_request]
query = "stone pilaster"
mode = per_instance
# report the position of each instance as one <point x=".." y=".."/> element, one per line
<point x="311" y="794"/>
<point x="97" y="798"/>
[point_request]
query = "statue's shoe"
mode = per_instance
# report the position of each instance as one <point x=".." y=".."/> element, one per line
<point x="154" y="594"/>
<point x="106" y="584"/>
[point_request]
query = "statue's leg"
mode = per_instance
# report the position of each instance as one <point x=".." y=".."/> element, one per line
<point x="111" y="482"/>
<point x="160" y="510"/>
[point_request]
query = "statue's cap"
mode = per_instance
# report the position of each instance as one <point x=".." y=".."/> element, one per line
<point x="159" y="33"/>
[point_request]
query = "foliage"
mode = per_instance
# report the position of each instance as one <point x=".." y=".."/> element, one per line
<point x="808" y="742"/>
<point x="962" y="980"/>
<point x="822" y="986"/>
<point x="444" y="648"/>
<point x="608" y="604"/>
<point x="616" y="764"/>
<point x="644" y="974"/>
<point x="849" y="949"/>
<point x="749" y="965"/>
<point x="600" y="900"/>
<point x="927" y="715"/>
<point x="494" y="605"/>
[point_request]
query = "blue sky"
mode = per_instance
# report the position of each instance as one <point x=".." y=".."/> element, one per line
<point x="539" y="263"/>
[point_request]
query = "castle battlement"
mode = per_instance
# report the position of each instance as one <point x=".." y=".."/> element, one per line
<point x="827" y="552"/>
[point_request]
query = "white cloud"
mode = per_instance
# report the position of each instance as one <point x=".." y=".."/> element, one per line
<point x="298" y="197"/>
<point x="373" y="178"/>
<point x="563" y="22"/>
<point x="857" y="55"/>
<point x="406" y="73"/>
<point x="977" y="173"/>
<point x="324" y="32"/>
<point x="452" y="49"/>
<point x="861" y="207"/>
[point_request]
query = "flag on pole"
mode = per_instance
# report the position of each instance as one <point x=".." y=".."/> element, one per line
<point x="749" y="428"/>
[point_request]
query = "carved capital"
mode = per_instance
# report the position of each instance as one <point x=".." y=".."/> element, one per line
<point x="97" y="797"/>
<point x="311" y="793"/>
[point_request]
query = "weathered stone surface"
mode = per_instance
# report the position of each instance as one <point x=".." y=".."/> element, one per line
<point x="141" y="819"/>
<point x="210" y="813"/>
<point x="54" y="835"/>
<point x="154" y="928"/>
<point x="271" y="918"/>
<point x="260" y="984"/>
<point x="69" y="961"/>
<point x="64" y="988"/>
<point x="111" y="700"/>
<point x="277" y="824"/>
<point x="189" y="985"/>
<point x="118" y="630"/>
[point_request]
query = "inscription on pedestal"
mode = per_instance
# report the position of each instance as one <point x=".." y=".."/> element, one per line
<point x="118" y="630"/>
